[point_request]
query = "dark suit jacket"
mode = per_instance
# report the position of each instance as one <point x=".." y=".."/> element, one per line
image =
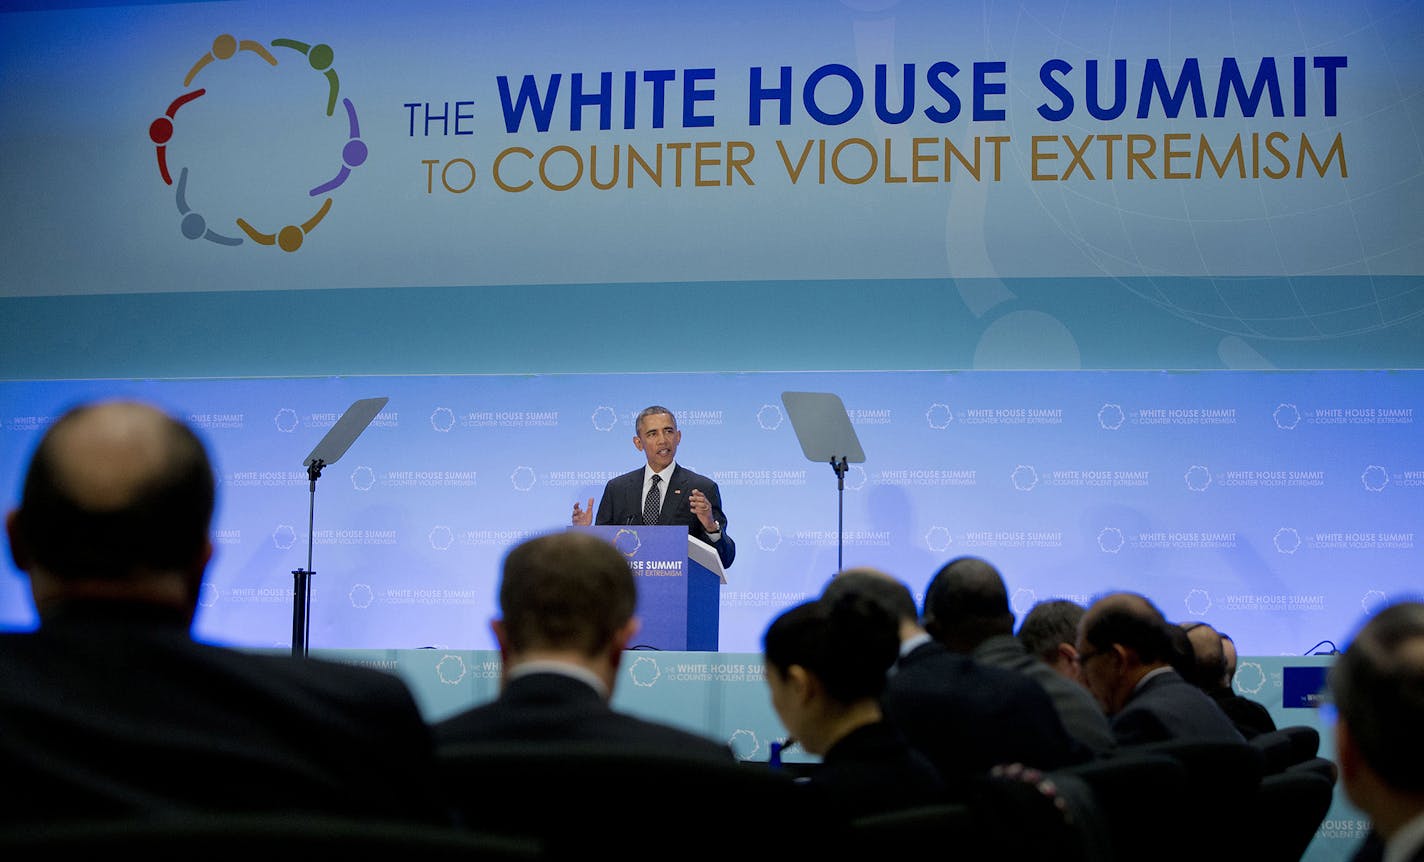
<point x="622" y="503"/>
<point x="874" y="769"/>
<point x="553" y="706"/>
<point x="967" y="717"/>
<point x="1167" y="707"/>
<point x="1081" y="716"/>
<point x="1371" y="849"/>
<point x="1250" y="717"/>
<point x="112" y="710"/>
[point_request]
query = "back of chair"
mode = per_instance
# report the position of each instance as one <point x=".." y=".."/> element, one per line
<point x="913" y="831"/>
<point x="1324" y="767"/>
<point x="1287" y="746"/>
<point x="1286" y="813"/>
<point x="1221" y="780"/>
<point x="582" y="798"/>
<point x="1132" y="793"/>
<point x="1277" y="749"/>
<point x="244" y="837"/>
<point x="1305" y="739"/>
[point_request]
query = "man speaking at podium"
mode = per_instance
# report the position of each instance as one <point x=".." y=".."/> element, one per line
<point x="663" y="492"/>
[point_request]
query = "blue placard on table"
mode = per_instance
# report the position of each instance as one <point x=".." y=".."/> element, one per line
<point x="1303" y="687"/>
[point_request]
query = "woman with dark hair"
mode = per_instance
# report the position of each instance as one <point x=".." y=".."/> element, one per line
<point x="826" y="662"/>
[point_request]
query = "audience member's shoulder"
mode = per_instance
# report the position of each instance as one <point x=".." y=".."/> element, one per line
<point x="321" y="676"/>
<point x="1006" y="679"/>
<point x="675" y="740"/>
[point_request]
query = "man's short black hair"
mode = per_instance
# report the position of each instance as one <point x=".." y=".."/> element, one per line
<point x="967" y="599"/>
<point x="1378" y="688"/>
<point x="1049" y="623"/>
<point x="890" y="593"/>
<point x="848" y="640"/>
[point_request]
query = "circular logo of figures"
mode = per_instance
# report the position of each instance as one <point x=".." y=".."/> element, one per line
<point x="1198" y="478"/>
<point x="604" y="418"/>
<point x="1374" y="478"/>
<point x="768" y="538"/>
<point x="1110" y="417"/>
<point x="769" y="417"/>
<point x="450" y="669"/>
<point x="1198" y="602"/>
<point x="1024" y="477"/>
<point x="442" y="420"/>
<point x="644" y="671"/>
<point x="627" y="542"/>
<point x="1110" y="540"/>
<point x="233" y="102"/>
<point x="284" y="537"/>
<point x="286" y="420"/>
<point x="938" y="538"/>
<point x="363" y="478"/>
<point x="744" y="743"/>
<point x="441" y="537"/>
<point x="939" y="416"/>
<point x="1286" y="416"/>
<point x="1372" y="601"/>
<point x="522" y="478"/>
<point x="1250" y="678"/>
<point x="361" y="595"/>
<point x="1287" y="540"/>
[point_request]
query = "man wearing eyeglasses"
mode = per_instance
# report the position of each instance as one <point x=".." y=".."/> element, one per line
<point x="1124" y="655"/>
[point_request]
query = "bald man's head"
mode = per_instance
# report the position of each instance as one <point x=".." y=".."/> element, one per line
<point x="1210" y="659"/>
<point x="1128" y="619"/>
<point x="114" y="489"/>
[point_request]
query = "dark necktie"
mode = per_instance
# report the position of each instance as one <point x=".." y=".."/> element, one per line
<point x="653" y="502"/>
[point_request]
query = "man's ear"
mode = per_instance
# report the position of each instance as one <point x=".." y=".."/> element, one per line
<point x="1347" y="755"/>
<point x="193" y="573"/>
<point x="626" y="633"/>
<point x="501" y="637"/>
<point x="802" y="684"/>
<point x="637" y="442"/>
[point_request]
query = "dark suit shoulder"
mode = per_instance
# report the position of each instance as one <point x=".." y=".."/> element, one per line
<point x="552" y="707"/>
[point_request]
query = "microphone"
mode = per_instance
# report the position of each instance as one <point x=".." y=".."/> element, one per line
<point x="774" y="761"/>
<point x="1334" y="650"/>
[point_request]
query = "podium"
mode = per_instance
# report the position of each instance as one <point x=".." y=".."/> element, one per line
<point x="679" y="580"/>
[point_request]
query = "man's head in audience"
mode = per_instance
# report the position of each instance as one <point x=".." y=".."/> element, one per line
<point x="1209" y="666"/>
<point x="566" y="597"/>
<point x="116" y="506"/>
<point x="1050" y="631"/>
<point x="885" y="590"/>
<point x="1121" y="639"/>
<point x="825" y="666"/>
<point x="966" y="603"/>
<point x="1228" y="659"/>
<point x="1378" y="689"/>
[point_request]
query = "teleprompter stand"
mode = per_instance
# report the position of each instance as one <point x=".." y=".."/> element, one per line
<point x="331" y="448"/>
<point x="823" y="427"/>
